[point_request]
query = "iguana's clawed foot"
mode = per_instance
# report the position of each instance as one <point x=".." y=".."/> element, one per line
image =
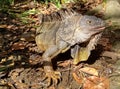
<point x="52" y="77"/>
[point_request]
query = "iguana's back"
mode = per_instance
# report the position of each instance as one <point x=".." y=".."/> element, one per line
<point x="50" y="24"/>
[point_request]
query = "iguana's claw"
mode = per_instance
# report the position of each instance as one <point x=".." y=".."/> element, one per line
<point x="52" y="77"/>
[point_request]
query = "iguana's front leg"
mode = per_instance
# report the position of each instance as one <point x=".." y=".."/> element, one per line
<point x="48" y="67"/>
<point x="50" y="53"/>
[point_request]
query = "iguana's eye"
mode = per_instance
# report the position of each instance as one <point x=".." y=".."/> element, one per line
<point x="89" y="21"/>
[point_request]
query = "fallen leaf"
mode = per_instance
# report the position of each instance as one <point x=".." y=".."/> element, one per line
<point x="18" y="46"/>
<point x="94" y="82"/>
<point x="89" y="70"/>
<point x="65" y="63"/>
<point x="51" y="87"/>
<point x="79" y="80"/>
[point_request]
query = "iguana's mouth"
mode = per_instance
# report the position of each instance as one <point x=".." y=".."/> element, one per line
<point x="100" y="28"/>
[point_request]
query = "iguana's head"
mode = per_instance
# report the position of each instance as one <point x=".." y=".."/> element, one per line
<point x="87" y="26"/>
<point x="91" y="24"/>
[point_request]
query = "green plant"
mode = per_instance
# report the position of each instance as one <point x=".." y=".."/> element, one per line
<point x="6" y="3"/>
<point x="25" y="15"/>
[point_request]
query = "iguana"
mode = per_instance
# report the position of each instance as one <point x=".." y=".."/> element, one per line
<point x="64" y="30"/>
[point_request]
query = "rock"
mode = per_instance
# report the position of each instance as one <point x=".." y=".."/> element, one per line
<point x="112" y="8"/>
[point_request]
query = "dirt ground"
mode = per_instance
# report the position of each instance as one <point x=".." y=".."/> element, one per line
<point x="21" y="65"/>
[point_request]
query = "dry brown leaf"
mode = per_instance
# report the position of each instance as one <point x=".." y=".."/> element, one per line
<point x="18" y="46"/>
<point x="89" y="70"/>
<point x="3" y="26"/>
<point x="94" y="82"/>
<point x="51" y="87"/>
<point x="65" y="63"/>
<point x="79" y="80"/>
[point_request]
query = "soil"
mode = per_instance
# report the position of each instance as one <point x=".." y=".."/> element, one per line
<point x="21" y="66"/>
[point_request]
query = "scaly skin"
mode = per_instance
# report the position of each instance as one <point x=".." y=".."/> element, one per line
<point x="57" y="36"/>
